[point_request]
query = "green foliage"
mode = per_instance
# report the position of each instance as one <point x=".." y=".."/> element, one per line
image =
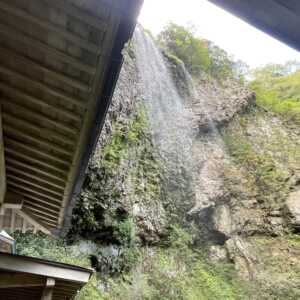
<point x="125" y="232"/>
<point x="175" y="272"/>
<point x="263" y="171"/>
<point x="99" y="211"/>
<point x="199" y="55"/>
<point x="123" y="137"/>
<point x="221" y="65"/>
<point x="180" y="41"/>
<point x="91" y="291"/>
<point x="43" y="246"/>
<point x="278" y="91"/>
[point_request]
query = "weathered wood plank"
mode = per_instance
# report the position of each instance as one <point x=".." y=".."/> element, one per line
<point x="41" y="205"/>
<point x="40" y="85"/>
<point x="79" y="14"/>
<point x="37" y="140"/>
<point x="41" y="153"/>
<point x="59" y="30"/>
<point x="32" y="220"/>
<point x="43" y="219"/>
<point x="29" y="127"/>
<point x="33" y="184"/>
<point x="13" y="201"/>
<point x="51" y="216"/>
<point x="37" y="177"/>
<point x="75" y="83"/>
<point x="37" y="192"/>
<point x="36" y="169"/>
<point x="7" y="105"/>
<point x="15" y="280"/>
<point x="36" y="160"/>
<point x="14" y="92"/>
<point x="39" y="200"/>
<point x="46" y="49"/>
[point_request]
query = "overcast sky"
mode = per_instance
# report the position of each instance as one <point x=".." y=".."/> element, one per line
<point x="230" y="33"/>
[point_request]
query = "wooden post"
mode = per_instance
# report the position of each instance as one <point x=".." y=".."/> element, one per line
<point x="48" y="290"/>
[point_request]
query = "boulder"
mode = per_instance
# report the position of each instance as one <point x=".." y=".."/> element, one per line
<point x="293" y="209"/>
<point x="222" y="220"/>
<point x="241" y="253"/>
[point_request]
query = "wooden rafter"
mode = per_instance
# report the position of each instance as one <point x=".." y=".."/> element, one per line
<point x="59" y="61"/>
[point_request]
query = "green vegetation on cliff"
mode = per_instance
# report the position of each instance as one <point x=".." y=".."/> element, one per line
<point x="278" y="90"/>
<point x="172" y="272"/>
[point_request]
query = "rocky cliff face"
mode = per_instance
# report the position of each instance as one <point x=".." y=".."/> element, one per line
<point x="243" y="205"/>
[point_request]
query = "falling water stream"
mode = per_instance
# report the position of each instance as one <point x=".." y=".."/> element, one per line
<point x="184" y="150"/>
<point x="170" y="119"/>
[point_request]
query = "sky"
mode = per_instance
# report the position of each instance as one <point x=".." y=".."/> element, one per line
<point x="213" y="23"/>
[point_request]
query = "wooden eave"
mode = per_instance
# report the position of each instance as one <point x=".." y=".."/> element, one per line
<point x="27" y="278"/>
<point x="59" y="62"/>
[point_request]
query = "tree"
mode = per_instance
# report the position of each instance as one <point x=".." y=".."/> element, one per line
<point x="180" y="41"/>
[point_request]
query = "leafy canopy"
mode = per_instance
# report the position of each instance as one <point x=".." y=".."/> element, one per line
<point x="180" y="41"/>
<point x="199" y="55"/>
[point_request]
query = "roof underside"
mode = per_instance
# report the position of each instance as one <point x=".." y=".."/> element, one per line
<point x="55" y="68"/>
<point x="279" y="18"/>
<point x="25" y="278"/>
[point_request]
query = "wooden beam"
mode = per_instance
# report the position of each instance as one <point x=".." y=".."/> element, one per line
<point x="42" y="153"/>
<point x="42" y="221"/>
<point x="59" y="30"/>
<point x="32" y="220"/>
<point x="13" y="201"/>
<point x="14" y="107"/>
<point x="48" y="290"/>
<point x="49" y="216"/>
<point x="44" y="268"/>
<point x="36" y="177"/>
<point x="17" y="162"/>
<point x="15" y="280"/>
<point x="44" y="87"/>
<point x="39" y="205"/>
<point x="79" y="14"/>
<point x="2" y="164"/>
<point x="37" y="198"/>
<point x="49" y="51"/>
<point x="75" y="83"/>
<point x="40" y="202"/>
<point x="33" y="190"/>
<point x="37" y="141"/>
<point x="34" y="184"/>
<point x="36" y="130"/>
<point x="15" y="93"/>
<point x="36" y="160"/>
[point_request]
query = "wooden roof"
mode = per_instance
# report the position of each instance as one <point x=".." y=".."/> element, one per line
<point x="279" y="18"/>
<point x="59" y="61"/>
<point x="27" y="278"/>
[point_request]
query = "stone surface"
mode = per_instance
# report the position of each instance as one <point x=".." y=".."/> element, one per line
<point x="217" y="254"/>
<point x="293" y="208"/>
<point x="242" y="254"/>
<point x="222" y="102"/>
<point x="222" y="220"/>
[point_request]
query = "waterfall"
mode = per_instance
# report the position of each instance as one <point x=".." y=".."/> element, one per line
<point x="170" y="119"/>
<point x="188" y="155"/>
